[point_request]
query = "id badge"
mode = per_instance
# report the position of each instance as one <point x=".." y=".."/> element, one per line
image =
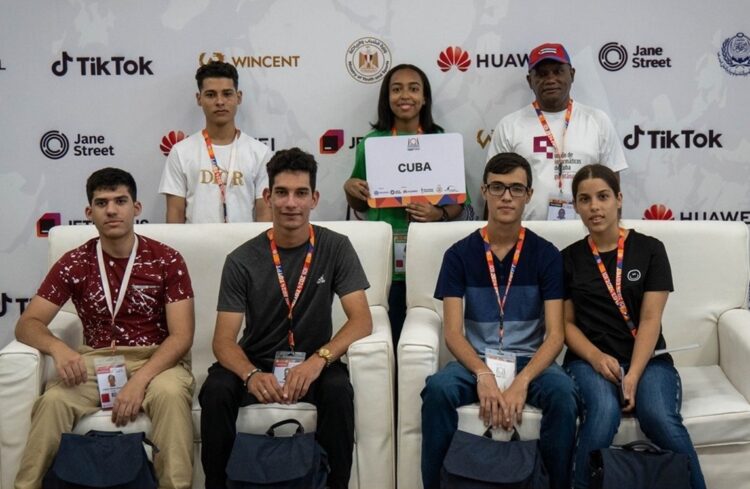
<point x="503" y="365"/>
<point x="284" y="362"/>
<point x="560" y="208"/>
<point x="399" y="252"/>
<point x="111" y="377"/>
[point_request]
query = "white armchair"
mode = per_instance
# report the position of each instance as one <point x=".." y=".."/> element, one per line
<point x="24" y="372"/>
<point x="711" y="272"/>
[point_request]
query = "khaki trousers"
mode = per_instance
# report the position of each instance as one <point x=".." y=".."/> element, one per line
<point x="167" y="402"/>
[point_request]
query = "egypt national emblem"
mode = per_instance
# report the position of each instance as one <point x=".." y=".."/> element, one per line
<point x="734" y="56"/>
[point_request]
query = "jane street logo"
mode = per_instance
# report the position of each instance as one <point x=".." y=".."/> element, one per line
<point x="368" y="59"/>
<point x="47" y="222"/>
<point x="54" y="145"/>
<point x="98" y="66"/>
<point x="734" y="55"/>
<point x="453" y="56"/>
<point x="169" y="140"/>
<point x="2" y="68"/>
<point x="614" y="57"/>
<point x="331" y="141"/>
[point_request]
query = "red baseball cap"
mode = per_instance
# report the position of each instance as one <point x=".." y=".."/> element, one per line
<point x="553" y="51"/>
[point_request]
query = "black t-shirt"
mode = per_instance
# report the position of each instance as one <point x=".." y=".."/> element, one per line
<point x="645" y="269"/>
<point x="250" y="285"/>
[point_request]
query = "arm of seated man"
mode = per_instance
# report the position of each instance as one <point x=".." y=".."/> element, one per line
<point x="230" y="355"/>
<point x="32" y="329"/>
<point x="358" y="325"/>
<point x="181" y="326"/>
<point x="492" y="404"/>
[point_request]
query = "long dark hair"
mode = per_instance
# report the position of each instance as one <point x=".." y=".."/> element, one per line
<point x="595" y="170"/>
<point x="385" y="114"/>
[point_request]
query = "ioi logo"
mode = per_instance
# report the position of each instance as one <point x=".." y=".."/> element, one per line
<point x="98" y="66"/>
<point x="54" y="145"/>
<point x="613" y="56"/>
<point x="172" y="138"/>
<point x="453" y="56"/>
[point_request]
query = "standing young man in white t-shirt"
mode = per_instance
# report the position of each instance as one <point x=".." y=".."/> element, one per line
<point x="217" y="174"/>
<point x="555" y="135"/>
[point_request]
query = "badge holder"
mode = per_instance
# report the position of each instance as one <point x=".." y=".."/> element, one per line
<point x="284" y="362"/>
<point x="399" y="252"/>
<point x="111" y="377"/>
<point x="503" y="365"/>
<point x="560" y="208"/>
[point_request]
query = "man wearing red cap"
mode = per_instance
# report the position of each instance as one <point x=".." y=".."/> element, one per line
<point x="556" y="135"/>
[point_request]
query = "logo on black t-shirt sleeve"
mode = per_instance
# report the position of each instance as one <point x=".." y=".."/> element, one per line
<point x="634" y="275"/>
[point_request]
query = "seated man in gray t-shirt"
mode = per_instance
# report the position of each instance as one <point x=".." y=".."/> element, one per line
<point x="282" y="283"/>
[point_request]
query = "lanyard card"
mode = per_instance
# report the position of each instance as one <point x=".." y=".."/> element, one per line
<point x="399" y="252"/>
<point x="503" y="365"/>
<point x="111" y="377"/>
<point x="560" y="208"/>
<point x="284" y="362"/>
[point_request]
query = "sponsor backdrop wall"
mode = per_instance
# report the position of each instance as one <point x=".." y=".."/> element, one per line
<point x="88" y="84"/>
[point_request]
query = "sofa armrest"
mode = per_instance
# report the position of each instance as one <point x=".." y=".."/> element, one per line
<point x="23" y="374"/>
<point x="418" y="355"/>
<point x="371" y="369"/>
<point x="734" y="348"/>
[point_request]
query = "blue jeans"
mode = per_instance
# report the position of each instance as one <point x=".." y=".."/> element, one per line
<point x="454" y="386"/>
<point x="657" y="407"/>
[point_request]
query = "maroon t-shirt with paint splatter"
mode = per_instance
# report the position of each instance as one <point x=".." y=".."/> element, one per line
<point x="159" y="277"/>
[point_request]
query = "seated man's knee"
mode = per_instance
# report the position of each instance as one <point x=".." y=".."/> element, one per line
<point x="438" y="390"/>
<point x="216" y="390"/>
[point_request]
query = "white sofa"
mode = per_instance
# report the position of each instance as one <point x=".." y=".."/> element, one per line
<point x="23" y="371"/>
<point x="711" y="270"/>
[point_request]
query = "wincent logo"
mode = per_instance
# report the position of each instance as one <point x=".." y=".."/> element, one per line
<point x="454" y="56"/>
<point x="664" y="213"/>
<point x="97" y="66"/>
<point x="684" y="139"/>
<point x="47" y="222"/>
<point x="457" y="56"/>
<point x="614" y="57"/>
<point x="734" y="56"/>
<point x="331" y="141"/>
<point x="368" y="59"/>
<point x="54" y="145"/>
<point x="256" y="61"/>
<point x="172" y="138"/>
<point x="658" y="212"/>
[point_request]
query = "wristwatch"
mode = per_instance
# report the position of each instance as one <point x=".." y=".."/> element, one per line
<point x="326" y="355"/>
<point x="444" y="217"/>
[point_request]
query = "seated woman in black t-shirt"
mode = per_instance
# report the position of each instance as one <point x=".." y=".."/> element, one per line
<point x="617" y="282"/>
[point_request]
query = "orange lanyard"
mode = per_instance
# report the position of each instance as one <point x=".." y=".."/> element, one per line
<point x="493" y="275"/>
<point x="394" y="132"/>
<point x="217" y="171"/>
<point x="300" y="282"/>
<point x="616" y="291"/>
<point x="551" y="137"/>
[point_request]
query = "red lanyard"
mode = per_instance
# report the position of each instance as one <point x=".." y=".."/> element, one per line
<point x="394" y="132"/>
<point x="493" y="276"/>
<point x="217" y="171"/>
<point x="551" y="137"/>
<point x="300" y="282"/>
<point x="616" y="291"/>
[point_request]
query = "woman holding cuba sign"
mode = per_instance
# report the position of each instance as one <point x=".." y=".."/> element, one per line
<point x="404" y="108"/>
<point x="617" y="282"/>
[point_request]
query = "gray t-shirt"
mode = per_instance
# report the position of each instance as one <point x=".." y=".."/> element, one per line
<point x="250" y="285"/>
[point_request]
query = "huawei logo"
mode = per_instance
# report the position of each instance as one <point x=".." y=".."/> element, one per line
<point x="454" y="56"/>
<point x="658" y="212"/>
<point x="170" y="140"/>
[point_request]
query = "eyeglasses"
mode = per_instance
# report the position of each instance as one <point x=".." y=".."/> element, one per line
<point x="498" y="189"/>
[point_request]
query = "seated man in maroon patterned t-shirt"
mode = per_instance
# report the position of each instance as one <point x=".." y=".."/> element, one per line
<point x="134" y="298"/>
